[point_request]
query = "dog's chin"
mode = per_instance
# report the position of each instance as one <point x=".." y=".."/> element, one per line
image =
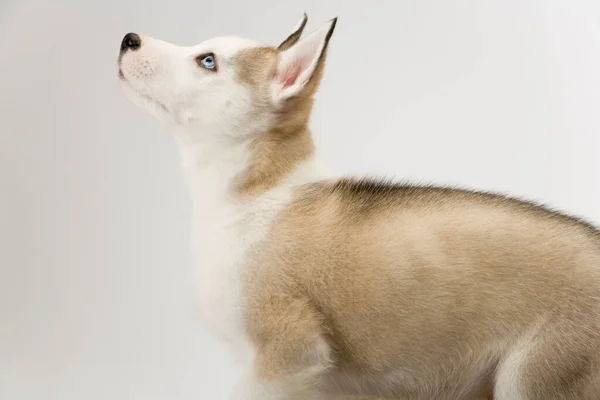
<point x="142" y="100"/>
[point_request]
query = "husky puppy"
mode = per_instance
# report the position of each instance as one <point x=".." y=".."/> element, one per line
<point x="327" y="287"/>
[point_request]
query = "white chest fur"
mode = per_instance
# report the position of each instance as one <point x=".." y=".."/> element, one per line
<point x="220" y="243"/>
<point x="223" y="230"/>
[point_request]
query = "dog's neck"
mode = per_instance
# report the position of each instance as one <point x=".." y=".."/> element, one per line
<point x="225" y="169"/>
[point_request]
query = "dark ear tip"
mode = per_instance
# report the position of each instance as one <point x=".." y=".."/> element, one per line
<point x="294" y="36"/>
<point x="333" y="24"/>
<point x="304" y="20"/>
<point x="332" y="27"/>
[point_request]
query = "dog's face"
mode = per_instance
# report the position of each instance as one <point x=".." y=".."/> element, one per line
<point x="223" y="86"/>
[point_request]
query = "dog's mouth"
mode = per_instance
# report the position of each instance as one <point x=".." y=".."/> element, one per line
<point x="146" y="98"/>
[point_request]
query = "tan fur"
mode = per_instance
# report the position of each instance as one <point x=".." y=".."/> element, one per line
<point x="428" y="279"/>
<point x="413" y="292"/>
<point x="276" y="152"/>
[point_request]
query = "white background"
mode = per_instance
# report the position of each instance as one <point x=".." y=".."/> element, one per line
<point x="96" y="298"/>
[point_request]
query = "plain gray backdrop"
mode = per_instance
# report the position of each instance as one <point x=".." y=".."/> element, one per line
<point x="96" y="297"/>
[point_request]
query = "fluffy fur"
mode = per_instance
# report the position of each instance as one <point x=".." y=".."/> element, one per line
<point x="337" y="288"/>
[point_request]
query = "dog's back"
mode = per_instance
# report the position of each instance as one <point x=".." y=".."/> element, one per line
<point x="436" y="293"/>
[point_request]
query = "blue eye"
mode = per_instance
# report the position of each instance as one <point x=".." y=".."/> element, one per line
<point x="208" y="62"/>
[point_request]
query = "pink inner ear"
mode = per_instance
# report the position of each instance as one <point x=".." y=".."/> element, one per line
<point x="292" y="71"/>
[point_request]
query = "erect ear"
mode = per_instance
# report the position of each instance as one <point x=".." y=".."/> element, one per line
<point x="299" y="66"/>
<point x="295" y="35"/>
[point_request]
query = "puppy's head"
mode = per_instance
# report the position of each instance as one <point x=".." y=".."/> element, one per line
<point x="224" y="86"/>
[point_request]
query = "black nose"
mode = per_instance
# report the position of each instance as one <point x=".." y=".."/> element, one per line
<point x="131" y="41"/>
